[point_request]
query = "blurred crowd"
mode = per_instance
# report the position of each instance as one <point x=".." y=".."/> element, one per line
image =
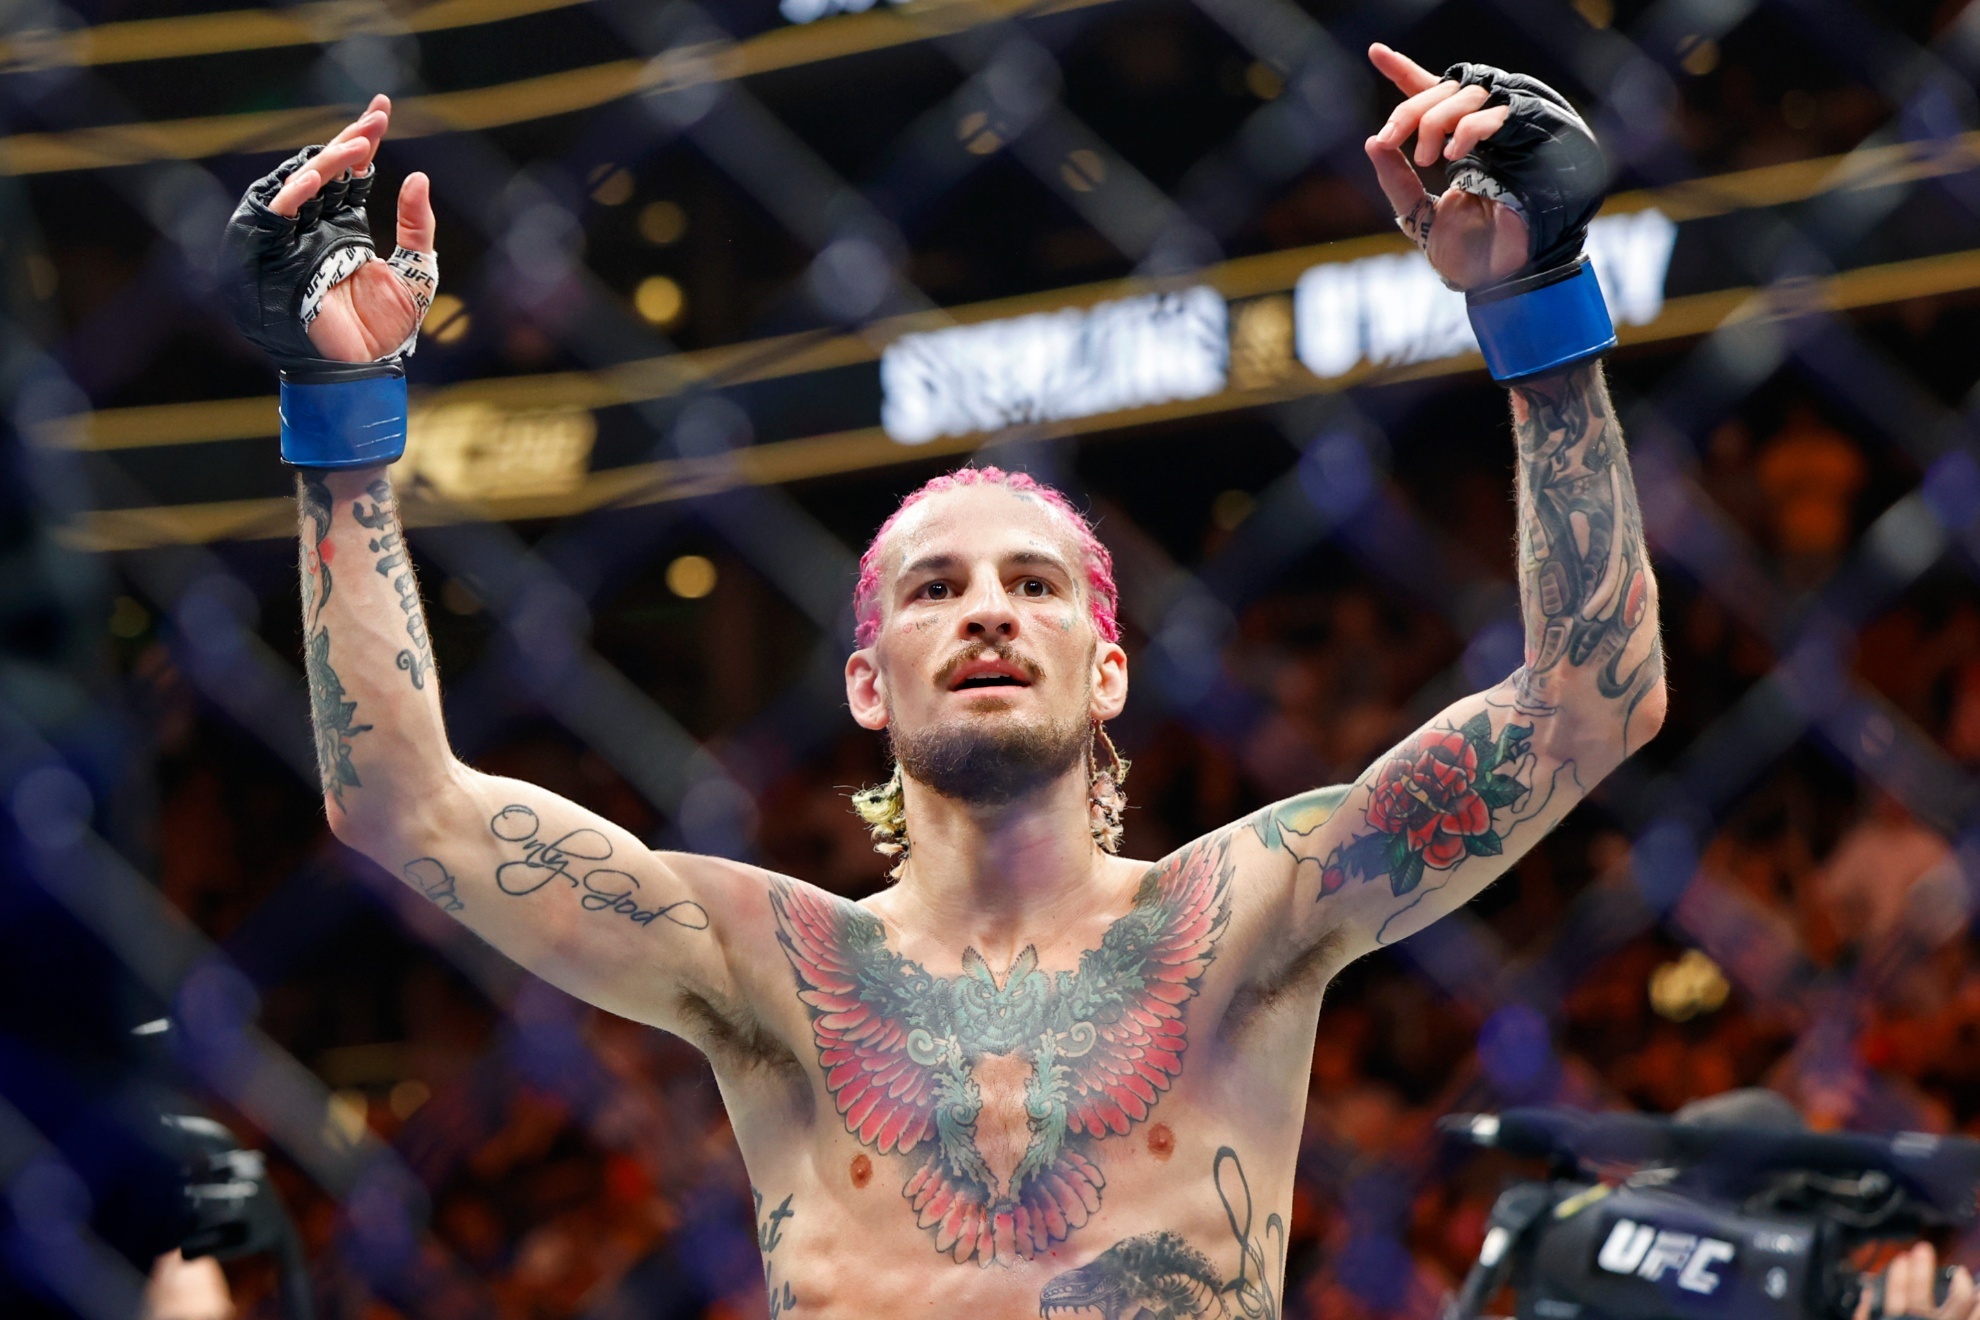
<point x="577" y="1165"/>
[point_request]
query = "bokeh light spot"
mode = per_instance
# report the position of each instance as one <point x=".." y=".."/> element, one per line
<point x="661" y="223"/>
<point x="659" y="300"/>
<point x="691" y="576"/>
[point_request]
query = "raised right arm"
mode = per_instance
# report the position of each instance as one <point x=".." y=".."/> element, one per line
<point x="567" y="894"/>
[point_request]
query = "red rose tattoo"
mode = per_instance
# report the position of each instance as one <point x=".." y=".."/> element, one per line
<point x="1428" y="792"/>
<point x="1431" y="805"/>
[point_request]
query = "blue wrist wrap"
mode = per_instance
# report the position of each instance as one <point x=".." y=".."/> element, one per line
<point x="1541" y="322"/>
<point x="344" y="423"/>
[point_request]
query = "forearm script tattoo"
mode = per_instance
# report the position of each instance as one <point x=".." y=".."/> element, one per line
<point x="389" y="545"/>
<point x="1161" y="1274"/>
<point x="600" y="889"/>
<point x="1001" y="1090"/>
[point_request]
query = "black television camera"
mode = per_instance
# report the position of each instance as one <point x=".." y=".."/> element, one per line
<point x="1735" y="1212"/>
<point x="232" y="1210"/>
<point x="225" y="1206"/>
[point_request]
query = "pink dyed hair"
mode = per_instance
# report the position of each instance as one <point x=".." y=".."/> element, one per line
<point x="1103" y="596"/>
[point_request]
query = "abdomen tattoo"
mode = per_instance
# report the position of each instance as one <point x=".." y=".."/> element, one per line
<point x="935" y="1068"/>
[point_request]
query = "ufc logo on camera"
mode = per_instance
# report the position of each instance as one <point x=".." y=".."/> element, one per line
<point x="1650" y="1253"/>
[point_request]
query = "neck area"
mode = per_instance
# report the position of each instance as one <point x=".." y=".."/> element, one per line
<point x="996" y="877"/>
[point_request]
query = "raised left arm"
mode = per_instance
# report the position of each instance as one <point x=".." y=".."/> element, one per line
<point x="1447" y="811"/>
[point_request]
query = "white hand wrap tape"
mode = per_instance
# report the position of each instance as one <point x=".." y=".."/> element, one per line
<point x="420" y="272"/>
<point x="338" y="266"/>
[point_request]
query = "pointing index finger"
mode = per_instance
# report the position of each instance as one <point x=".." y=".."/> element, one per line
<point x="1401" y="70"/>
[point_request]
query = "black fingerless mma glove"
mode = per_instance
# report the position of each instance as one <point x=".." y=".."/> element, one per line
<point x="334" y="414"/>
<point x="1545" y="163"/>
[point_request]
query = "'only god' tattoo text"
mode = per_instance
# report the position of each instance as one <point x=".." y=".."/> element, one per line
<point x="600" y="889"/>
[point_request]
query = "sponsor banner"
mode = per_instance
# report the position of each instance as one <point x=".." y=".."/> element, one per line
<point x="1389" y="310"/>
<point x="1053" y="366"/>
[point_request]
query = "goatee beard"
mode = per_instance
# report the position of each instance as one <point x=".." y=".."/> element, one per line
<point x="990" y="767"/>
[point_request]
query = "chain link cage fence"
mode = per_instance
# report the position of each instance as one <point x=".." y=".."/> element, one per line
<point x="720" y="283"/>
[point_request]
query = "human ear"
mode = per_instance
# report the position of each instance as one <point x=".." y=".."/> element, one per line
<point x="1110" y="681"/>
<point x="866" y="691"/>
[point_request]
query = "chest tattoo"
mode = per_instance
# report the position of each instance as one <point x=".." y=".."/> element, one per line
<point x="1001" y="1089"/>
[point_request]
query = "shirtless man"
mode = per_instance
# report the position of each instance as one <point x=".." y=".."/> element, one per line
<point x="1032" y="1077"/>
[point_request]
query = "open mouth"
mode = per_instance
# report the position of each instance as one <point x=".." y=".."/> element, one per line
<point x="989" y="673"/>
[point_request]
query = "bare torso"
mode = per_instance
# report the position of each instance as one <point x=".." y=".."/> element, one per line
<point x="1105" y="1123"/>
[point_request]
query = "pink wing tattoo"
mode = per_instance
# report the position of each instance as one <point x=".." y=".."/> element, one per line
<point x="905" y="1053"/>
<point x="865" y="1001"/>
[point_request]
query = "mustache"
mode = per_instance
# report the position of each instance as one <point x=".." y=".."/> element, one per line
<point x="979" y="650"/>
